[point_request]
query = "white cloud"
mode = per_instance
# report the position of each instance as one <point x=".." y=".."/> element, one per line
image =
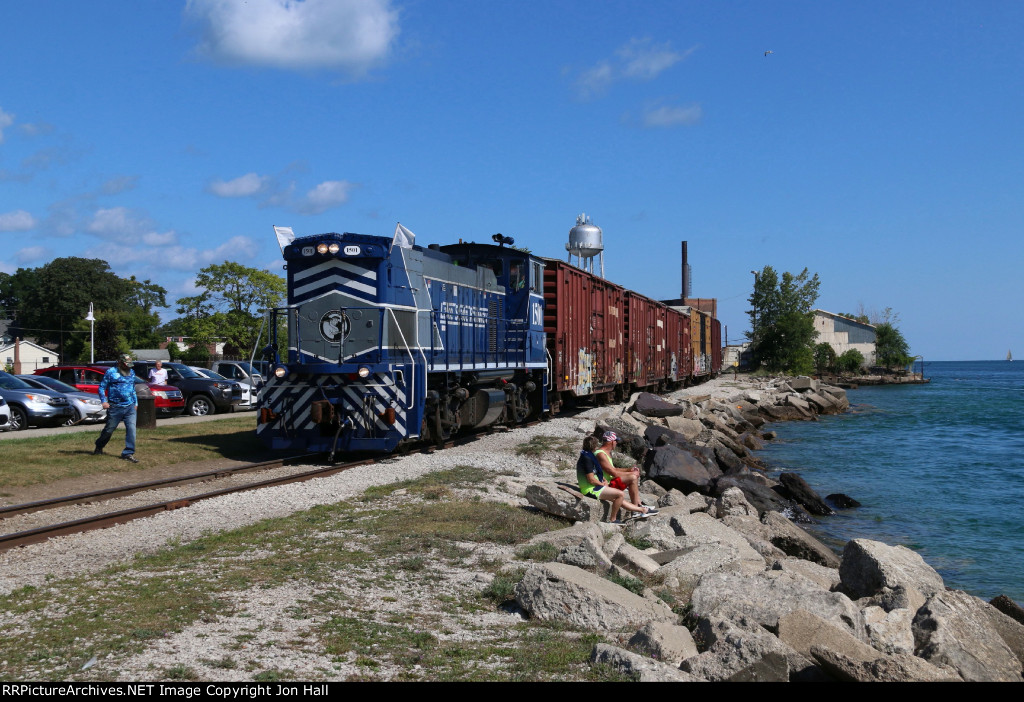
<point x="351" y="35"/>
<point x="323" y="197"/>
<point x="31" y="254"/>
<point x="6" y="120"/>
<point x="180" y="258"/>
<point x="243" y="186"/>
<point x="639" y="59"/>
<point x="17" y="221"/>
<point x="672" y="116"/>
<point x="120" y="225"/>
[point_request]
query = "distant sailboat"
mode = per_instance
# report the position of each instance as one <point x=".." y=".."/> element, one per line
<point x="1009" y="356"/>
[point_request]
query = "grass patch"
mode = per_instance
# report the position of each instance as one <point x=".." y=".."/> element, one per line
<point x="42" y="459"/>
<point x="540" y="445"/>
<point x="335" y="551"/>
<point x="542" y="552"/>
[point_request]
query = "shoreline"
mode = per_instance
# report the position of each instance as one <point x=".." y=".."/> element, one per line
<point x="884" y="613"/>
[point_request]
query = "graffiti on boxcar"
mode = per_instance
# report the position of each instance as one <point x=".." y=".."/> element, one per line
<point x="704" y="363"/>
<point x="585" y="372"/>
<point x="673" y="366"/>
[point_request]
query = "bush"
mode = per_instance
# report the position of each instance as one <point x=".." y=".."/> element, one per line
<point x="850" y="361"/>
<point x="824" y="358"/>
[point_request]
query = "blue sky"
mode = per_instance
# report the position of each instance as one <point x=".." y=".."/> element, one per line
<point x="880" y="144"/>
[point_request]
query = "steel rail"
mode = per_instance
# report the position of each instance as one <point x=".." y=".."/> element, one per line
<point x="102" y="521"/>
<point x="111" y="493"/>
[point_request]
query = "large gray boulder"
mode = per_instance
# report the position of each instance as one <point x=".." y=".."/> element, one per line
<point x="701" y="528"/>
<point x="548" y="497"/>
<point x="672" y="467"/>
<point x="733" y="644"/>
<point x="889" y="632"/>
<point x="555" y="592"/>
<point x="653" y="406"/>
<point x="869" y="566"/>
<point x="638" y="667"/>
<point x="953" y="629"/>
<point x="794" y="541"/>
<point x="898" y="668"/>
<point x="670" y="643"/>
<point x="767" y="596"/>
<point x="825" y="578"/>
<point x="799" y="491"/>
<point x="801" y="631"/>
<point x="689" y="429"/>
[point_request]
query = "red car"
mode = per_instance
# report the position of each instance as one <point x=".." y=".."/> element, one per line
<point x="169" y="400"/>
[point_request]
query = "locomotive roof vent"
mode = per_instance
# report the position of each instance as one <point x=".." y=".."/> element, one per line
<point x="586" y="242"/>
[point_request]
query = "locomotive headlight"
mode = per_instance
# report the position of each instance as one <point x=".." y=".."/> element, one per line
<point x="321" y="248"/>
<point x="280" y="372"/>
<point x="363" y="371"/>
<point x="333" y="248"/>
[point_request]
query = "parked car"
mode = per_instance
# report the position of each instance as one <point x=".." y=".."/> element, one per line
<point x="87" y="406"/>
<point x="32" y="406"/>
<point x="169" y="400"/>
<point x="240" y="371"/>
<point x="248" y="391"/>
<point x="202" y="395"/>
<point x="5" y="416"/>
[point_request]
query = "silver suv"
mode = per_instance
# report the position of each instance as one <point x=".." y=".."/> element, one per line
<point x="31" y="405"/>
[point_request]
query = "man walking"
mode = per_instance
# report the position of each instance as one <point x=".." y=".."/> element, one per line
<point x="117" y="392"/>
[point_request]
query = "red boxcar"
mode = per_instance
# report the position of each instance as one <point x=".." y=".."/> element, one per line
<point x="583" y="320"/>
<point x="604" y="341"/>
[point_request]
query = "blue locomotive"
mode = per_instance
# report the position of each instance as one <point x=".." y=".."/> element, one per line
<point x="390" y="342"/>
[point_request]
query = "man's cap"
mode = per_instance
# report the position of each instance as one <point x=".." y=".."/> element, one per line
<point x="610" y="436"/>
<point x="126" y="357"/>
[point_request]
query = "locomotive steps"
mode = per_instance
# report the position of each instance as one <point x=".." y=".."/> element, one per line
<point x="723" y="585"/>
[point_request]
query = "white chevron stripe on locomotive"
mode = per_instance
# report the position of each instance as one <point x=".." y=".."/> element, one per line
<point x="335" y="265"/>
<point x="333" y="282"/>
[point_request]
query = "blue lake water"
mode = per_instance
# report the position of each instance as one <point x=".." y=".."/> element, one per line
<point x="939" y="468"/>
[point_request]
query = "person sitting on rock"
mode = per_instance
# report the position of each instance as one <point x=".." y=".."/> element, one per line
<point x="621" y="479"/>
<point x="591" y="480"/>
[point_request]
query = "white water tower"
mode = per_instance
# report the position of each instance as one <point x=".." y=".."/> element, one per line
<point x="586" y="242"/>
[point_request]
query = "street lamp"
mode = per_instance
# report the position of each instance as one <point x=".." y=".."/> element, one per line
<point x="92" y="322"/>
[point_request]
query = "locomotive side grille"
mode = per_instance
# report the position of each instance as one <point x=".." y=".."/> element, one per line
<point x="493" y="315"/>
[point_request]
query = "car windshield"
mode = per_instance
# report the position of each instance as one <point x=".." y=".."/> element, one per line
<point x="214" y="375"/>
<point x="51" y="383"/>
<point x="9" y="382"/>
<point x="184" y="370"/>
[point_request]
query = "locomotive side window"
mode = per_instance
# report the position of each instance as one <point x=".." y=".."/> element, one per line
<point x="537" y="278"/>
<point x="517" y="276"/>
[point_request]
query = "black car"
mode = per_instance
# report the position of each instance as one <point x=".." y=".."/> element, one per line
<point x="203" y="396"/>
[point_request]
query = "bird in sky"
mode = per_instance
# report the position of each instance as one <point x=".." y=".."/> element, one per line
<point x="768" y="52"/>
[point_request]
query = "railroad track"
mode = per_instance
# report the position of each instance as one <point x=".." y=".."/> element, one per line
<point x="107" y="519"/>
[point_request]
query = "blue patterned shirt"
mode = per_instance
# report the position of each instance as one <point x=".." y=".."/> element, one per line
<point x="118" y="389"/>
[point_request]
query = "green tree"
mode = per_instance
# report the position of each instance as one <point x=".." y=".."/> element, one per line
<point x="49" y="303"/>
<point x="824" y="358"/>
<point x="850" y="361"/>
<point x="891" y="349"/>
<point x="229" y="306"/>
<point x="782" y="323"/>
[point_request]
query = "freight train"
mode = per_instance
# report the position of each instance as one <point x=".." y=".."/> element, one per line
<point x="390" y="343"/>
